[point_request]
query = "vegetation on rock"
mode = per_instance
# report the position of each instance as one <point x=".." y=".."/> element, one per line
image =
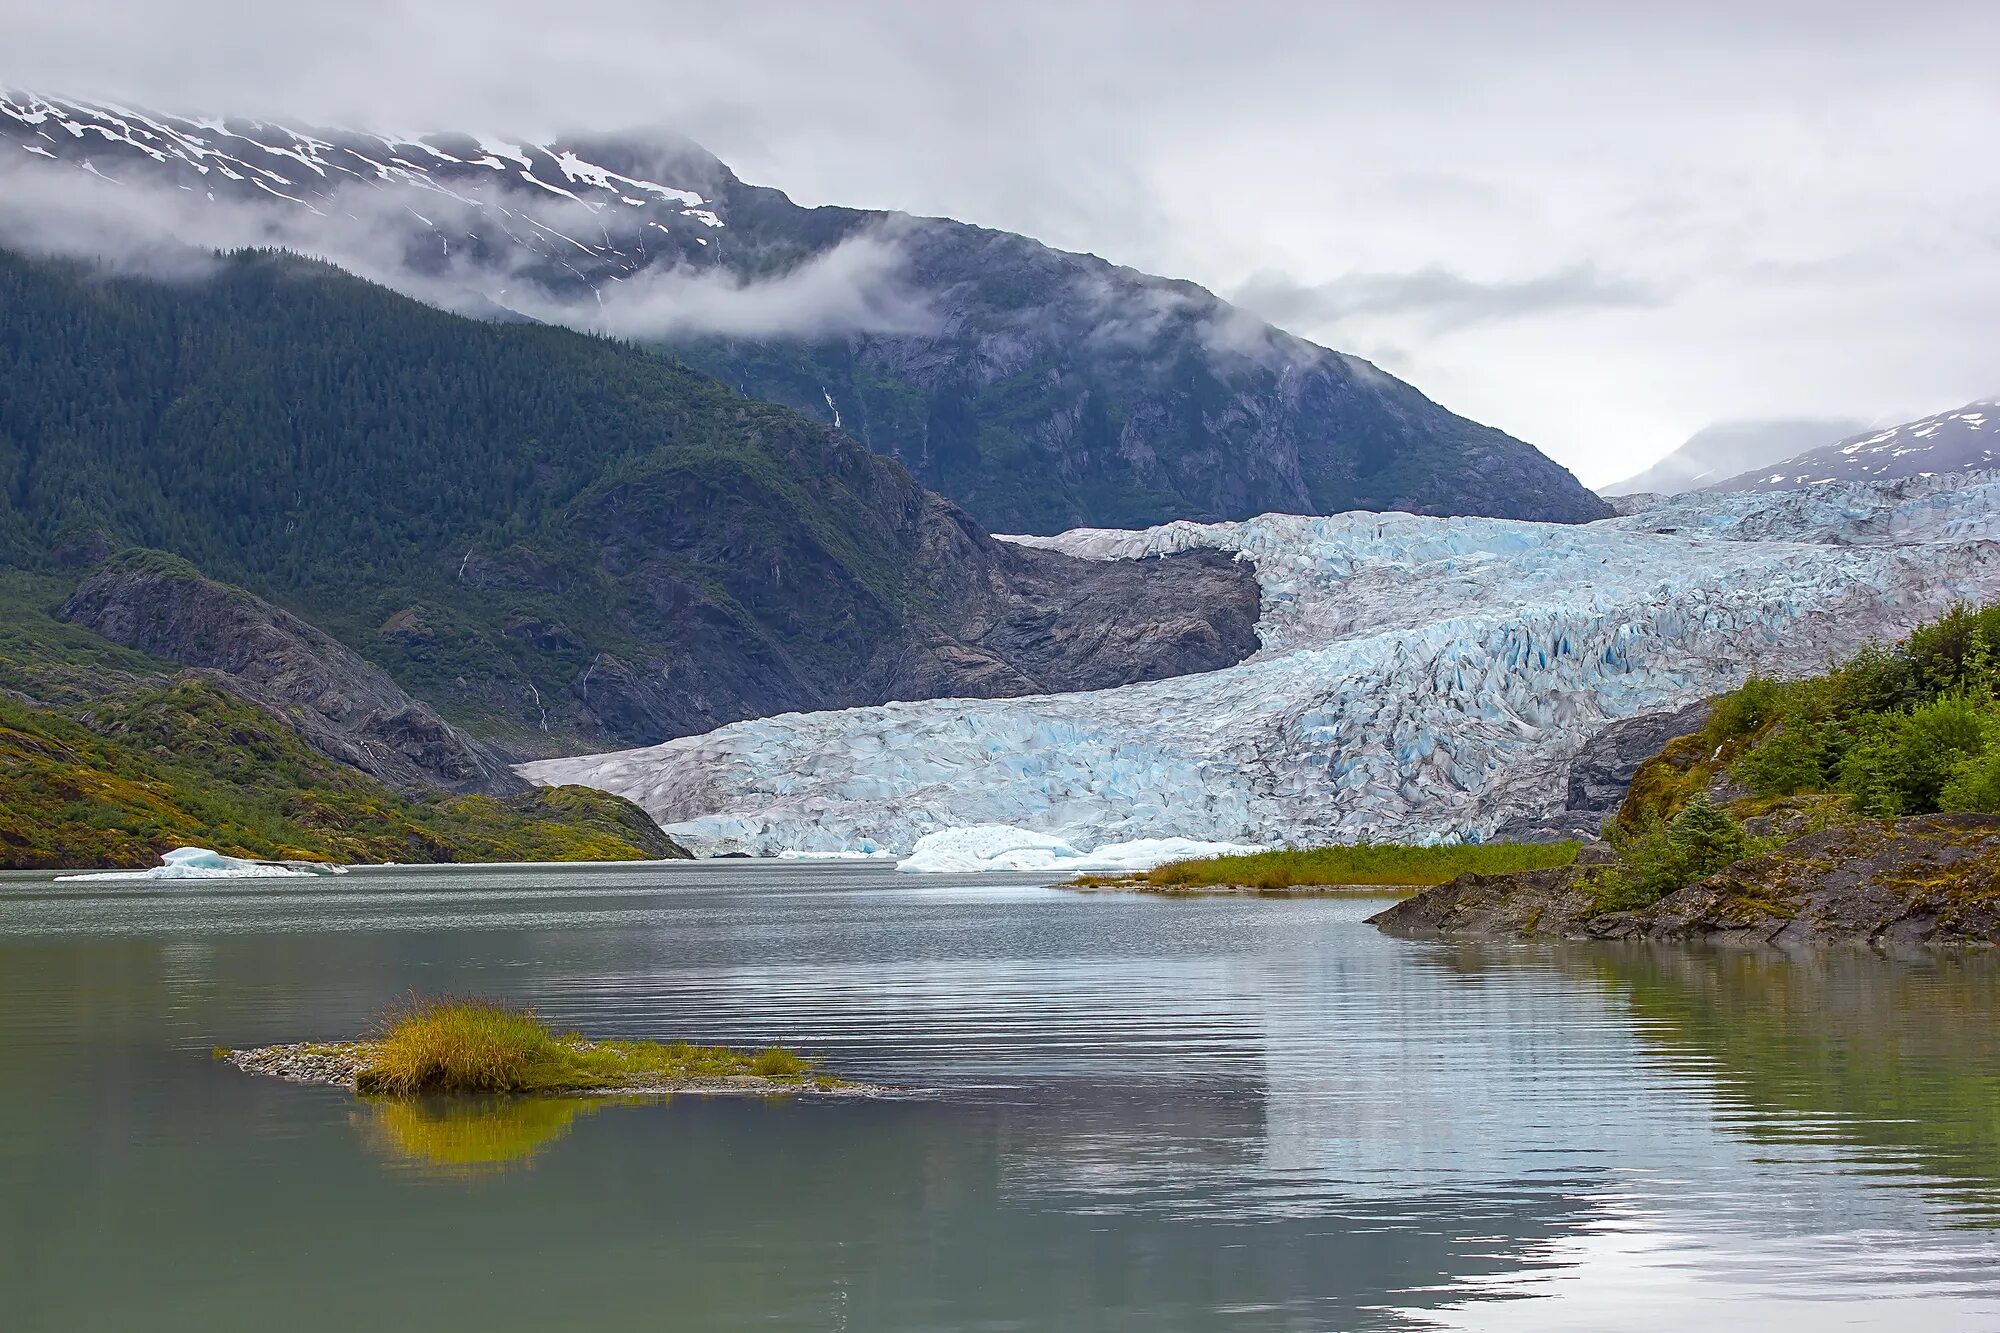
<point x="108" y="759"/>
<point x="557" y="541"/>
<point x="1369" y="864"/>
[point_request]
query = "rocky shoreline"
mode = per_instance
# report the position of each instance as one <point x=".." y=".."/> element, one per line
<point x="337" y="1064"/>
<point x="1927" y="881"/>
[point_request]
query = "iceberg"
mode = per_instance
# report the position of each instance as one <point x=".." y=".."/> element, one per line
<point x="198" y="863"/>
<point x="1420" y="679"/>
<point x="1005" y="847"/>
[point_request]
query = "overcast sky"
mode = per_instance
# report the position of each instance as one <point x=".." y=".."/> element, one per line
<point x="1600" y="226"/>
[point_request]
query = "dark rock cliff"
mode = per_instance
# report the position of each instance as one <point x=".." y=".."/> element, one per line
<point x="340" y="705"/>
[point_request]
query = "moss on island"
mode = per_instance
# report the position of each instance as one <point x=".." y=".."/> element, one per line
<point x="461" y="1045"/>
<point x="1360" y="865"/>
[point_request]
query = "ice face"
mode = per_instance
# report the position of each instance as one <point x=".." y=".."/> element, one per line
<point x="1004" y="847"/>
<point x="1420" y="679"/>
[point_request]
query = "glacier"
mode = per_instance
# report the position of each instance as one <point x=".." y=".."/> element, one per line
<point x="1421" y="679"/>
<point x="1003" y="847"/>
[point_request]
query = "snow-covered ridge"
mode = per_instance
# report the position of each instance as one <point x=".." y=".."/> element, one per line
<point x="1421" y="678"/>
<point x="1964" y="439"/>
<point x="555" y="201"/>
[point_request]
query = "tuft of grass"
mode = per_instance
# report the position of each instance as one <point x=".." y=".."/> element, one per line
<point x="1371" y="864"/>
<point x="459" y="1044"/>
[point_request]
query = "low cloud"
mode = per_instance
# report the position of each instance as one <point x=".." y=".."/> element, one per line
<point x="1439" y="299"/>
<point x="857" y="286"/>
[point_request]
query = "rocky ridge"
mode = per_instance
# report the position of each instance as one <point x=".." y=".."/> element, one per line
<point x="1920" y="881"/>
<point x="339" y="704"/>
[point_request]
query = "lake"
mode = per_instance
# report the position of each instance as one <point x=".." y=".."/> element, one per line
<point x="1124" y="1113"/>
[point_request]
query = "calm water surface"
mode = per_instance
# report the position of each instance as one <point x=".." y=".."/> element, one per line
<point x="1134" y="1114"/>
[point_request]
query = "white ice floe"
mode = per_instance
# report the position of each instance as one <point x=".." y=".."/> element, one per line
<point x="843" y="854"/>
<point x="1004" y="847"/>
<point x="200" y="863"/>
<point x="1420" y="678"/>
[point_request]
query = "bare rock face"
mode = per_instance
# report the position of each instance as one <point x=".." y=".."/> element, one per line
<point x="1922" y="881"/>
<point x="1604" y="769"/>
<point x="338" y="703"/>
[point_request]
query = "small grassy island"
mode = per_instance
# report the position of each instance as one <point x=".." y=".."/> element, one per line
<point x="1313" y="870"/>
<point x="458" y="1045"/>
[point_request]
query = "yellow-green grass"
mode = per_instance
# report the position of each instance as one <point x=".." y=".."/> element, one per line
<point x="473" y="1045"/>
<point x="1385" y="865"/>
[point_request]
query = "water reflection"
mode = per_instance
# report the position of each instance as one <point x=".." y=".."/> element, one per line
<point x="1135" y="1115"/>
<point x="1895" y="1061"/>
<point x="469" y="1135"/>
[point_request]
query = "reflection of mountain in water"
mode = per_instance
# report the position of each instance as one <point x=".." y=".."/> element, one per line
<point x="1896" y="1062"/>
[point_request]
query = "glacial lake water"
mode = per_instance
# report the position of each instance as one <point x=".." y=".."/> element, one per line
<point x="1129" y="1114"/>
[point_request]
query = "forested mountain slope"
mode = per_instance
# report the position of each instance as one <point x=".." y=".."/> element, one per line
<point x="555" y="539"/>
<point x="1038" y="388"/>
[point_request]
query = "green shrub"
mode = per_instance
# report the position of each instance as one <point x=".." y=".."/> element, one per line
<point x="1664" y="858"/>
<point x="1956" y="651"/>
<point x="1874" y="680"/>
<point x="1747" y="710"/>
<point x="1899" y="763"/>
<point x="1974" y="784"/>
<point x="1792" y="760"/>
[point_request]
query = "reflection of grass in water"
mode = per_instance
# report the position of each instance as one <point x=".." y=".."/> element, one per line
<point x="468" y="1135"/>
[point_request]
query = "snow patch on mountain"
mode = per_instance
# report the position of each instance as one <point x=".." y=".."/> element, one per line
<point x="1420" y="678"/>
<point x="1962" y="440"/>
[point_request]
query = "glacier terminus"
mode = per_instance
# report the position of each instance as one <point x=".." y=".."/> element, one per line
<point x="1419" y="679"/>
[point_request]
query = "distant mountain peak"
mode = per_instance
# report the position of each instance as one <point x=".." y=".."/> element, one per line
<point x="1964" y="439"/>
<point x="1727" y="447"/>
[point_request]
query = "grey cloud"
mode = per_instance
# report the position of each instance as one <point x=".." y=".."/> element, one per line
<point x="1464" y="162"/>
<point x="855" y="287"/>
<point x="1439" y="298"/>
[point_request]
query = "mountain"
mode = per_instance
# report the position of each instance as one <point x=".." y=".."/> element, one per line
<point x="555" y="540"/>
<point x="1965" y="440"/>
<point x="1728" y="447"/>
<point x="1039" y="389"/>
<point x="1420" y="679"/>
<point x="110" y="756"/>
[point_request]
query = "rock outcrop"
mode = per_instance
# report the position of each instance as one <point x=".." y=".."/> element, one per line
<point x="1603" y="770"/>
<point x="339" y="704"/>
<point x="1926" y="880"/>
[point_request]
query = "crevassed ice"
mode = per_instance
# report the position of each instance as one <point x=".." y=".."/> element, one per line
<point x="989" y="847"/>
<point x="1420" y="678"/>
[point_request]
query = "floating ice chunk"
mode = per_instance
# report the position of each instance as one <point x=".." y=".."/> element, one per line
<point x="872" y="853"/>
<point x="985" y="847"/>
<point x="200" y="863"/>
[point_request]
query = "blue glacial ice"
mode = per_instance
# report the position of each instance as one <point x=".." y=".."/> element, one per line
<point x="1419" y="678"/>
